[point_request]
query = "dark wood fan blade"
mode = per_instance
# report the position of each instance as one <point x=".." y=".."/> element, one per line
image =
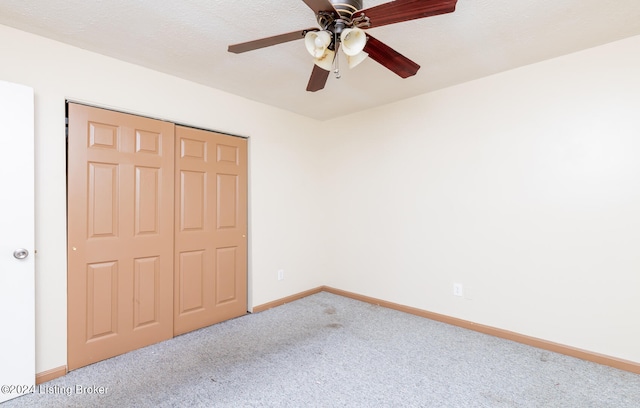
<point x="320" y="5"/>
<point x="318" y="79"/>
<point x="404" y="10"/>
<point x="390" y="58"/>
<point x="269" y="41"/>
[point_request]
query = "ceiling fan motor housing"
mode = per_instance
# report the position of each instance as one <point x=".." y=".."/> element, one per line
<point x="336" y="24"/>
<point x="346" y="8"/>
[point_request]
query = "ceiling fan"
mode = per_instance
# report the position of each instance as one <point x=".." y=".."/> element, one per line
<point x="342" y="22"/>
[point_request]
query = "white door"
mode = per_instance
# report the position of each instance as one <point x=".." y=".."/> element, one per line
<point x="17" y="283"/>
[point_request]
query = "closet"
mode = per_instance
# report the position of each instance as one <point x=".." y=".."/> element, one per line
<point x="157" y="231"/>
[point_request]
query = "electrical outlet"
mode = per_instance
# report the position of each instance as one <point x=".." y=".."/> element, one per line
<point x="457" y="289"/>
<point x="280" y="274"/>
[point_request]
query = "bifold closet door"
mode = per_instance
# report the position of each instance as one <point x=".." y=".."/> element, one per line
<point x="120" y="233"/>
<point x="210" y="228"/>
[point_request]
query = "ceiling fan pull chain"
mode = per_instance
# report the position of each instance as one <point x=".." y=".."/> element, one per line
<point x="336" y="71"/>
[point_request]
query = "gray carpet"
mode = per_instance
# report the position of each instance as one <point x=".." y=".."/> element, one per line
<point x="330" y="351"/>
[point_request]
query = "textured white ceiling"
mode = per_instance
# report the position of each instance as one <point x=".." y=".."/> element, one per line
<point x="189" y="39"/>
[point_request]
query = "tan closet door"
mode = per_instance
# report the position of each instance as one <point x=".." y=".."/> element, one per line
<point x="120" y="238"/>
<point x="210" y="230"/>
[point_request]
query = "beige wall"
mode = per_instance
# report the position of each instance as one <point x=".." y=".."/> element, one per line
<point x="523" y="186"/>
<point x="282" y="160"/>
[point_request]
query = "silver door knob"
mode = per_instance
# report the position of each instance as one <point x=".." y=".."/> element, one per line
<point x="20" y="253"/>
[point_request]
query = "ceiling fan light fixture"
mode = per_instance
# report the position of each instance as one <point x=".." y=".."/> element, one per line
<point x="353" y="41"/>
<point x="326" y="60"/>
<point x="317" y="43"/>
<point x="354" y="60"/>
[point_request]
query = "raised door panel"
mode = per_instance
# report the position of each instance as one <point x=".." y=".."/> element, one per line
<point x="146" y="308"/>
<point x="147" y="201"/>
<point x="227" y="201"/>
<point x="193" y="204"/>
<point x="102" y="207"/>
<point x="102" y="300"/>
<point x="226" y="270"/>
<point x="191" y="281"/>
